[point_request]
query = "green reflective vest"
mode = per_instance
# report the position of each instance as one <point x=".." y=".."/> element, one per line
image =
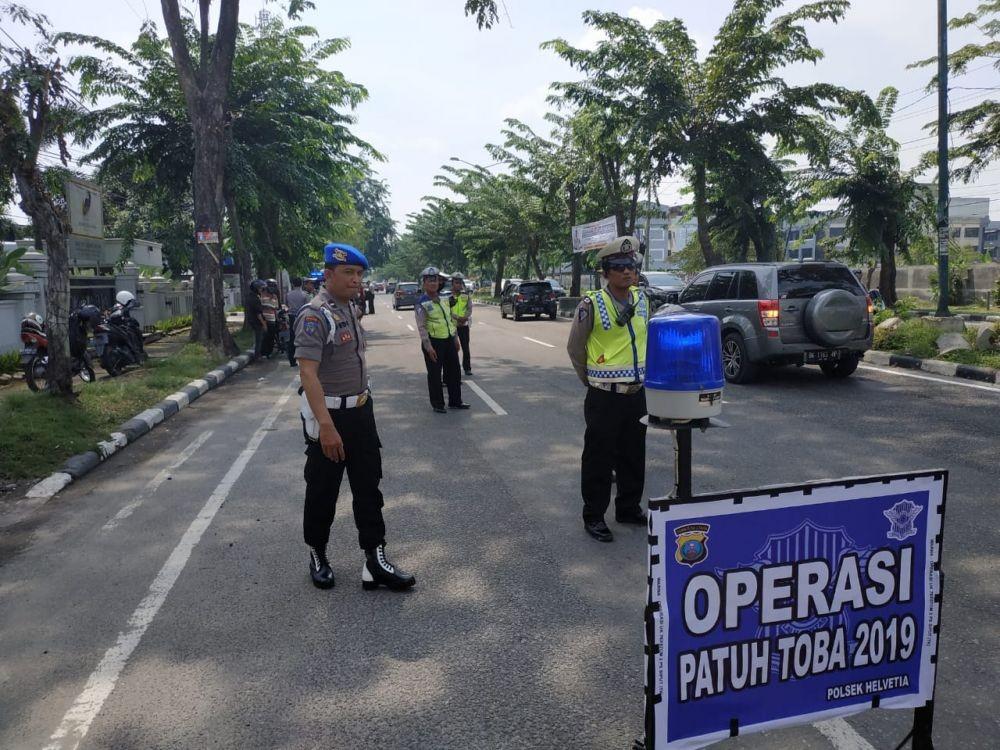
<point x="617" y="353"/>
<point x="461" y="307"/>
<point x="438" y="321"/>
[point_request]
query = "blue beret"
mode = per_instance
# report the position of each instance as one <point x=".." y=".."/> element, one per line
<point x="338" y="254"/>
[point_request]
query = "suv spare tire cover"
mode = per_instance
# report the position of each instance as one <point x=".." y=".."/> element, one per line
<point x="833" y="316"/>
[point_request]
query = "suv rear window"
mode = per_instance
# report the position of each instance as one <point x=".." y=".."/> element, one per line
<point x="535" y="288"/>
<point x="407" y="287"/>
<point x="805" y="281"/>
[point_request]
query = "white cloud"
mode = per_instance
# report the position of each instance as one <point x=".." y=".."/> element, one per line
<point x="530" y="108"/>
<point x="646" y="16"/>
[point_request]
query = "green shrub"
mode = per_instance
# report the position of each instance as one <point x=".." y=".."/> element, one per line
<point x="173" y="324"/>
<point x="912" y="337"/>
<point x="905" y="306"/>
<point x="10" y="362"/>
<point x="883" y="315"/>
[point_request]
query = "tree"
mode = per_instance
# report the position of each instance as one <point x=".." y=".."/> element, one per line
<point x="371" y="197"/>
<point x="858" y="167"/>
<point x="36" y="112"/>
<point x="484" y="11"/>
<point x="206" y="89"/>
<point x="700" y="114"/>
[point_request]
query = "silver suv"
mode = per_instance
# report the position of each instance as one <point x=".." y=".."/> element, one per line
<point x="784" y="313"/>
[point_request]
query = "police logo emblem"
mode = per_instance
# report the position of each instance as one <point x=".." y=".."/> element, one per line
<point x="310" y="325"/>
<point x="626" y="246"/>
<point x="692" y="543"/>
<point x="901" y="517"/>
<point x="339" y="255"/>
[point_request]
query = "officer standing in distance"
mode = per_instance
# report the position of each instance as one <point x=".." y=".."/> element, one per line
<point x="339" y="423"/>
<point x="461" y="314"/>
<point x="296" y="300"/>
<point x="607" y="346"/>
<point x="439" y="343"/>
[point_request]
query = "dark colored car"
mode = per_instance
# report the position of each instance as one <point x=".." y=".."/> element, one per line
<point x="784" y="313"/>
<point x="528" y="298"/>
<point x="405" y="294"/>
<point x="658" y="284"/>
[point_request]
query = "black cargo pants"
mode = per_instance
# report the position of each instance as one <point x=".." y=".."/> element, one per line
<point x="446" y="365"/>
<point x="615" y="440"/>
<point x="363" y="463"/>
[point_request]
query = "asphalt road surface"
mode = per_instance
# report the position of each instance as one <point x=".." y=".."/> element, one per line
<point x="164" y="600"/>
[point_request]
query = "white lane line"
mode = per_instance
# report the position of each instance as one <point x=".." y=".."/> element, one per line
<point x="400" y="317"/>
<point x="410" y="327"/>
<point x="482" y="323"/>
<point x="842" y="735"/>
<point x="497" y="409"/>
<point x="155" y="482"/>
<point x="75" y="724"/>
<point x="536" y="341"/>
<point x="977" y="386"/>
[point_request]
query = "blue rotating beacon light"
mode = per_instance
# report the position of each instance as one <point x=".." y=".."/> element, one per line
<point x="684" y="378"/>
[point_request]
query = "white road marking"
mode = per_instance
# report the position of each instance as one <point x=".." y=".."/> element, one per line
<point x="482" y="323"/>
<point x="75" y="724"/>
<point x="410" y="327"/>
<point x="887" y="371"/>
<point x="497" y="409"/>
<point x="155" y="482"/>
<point x="536" y="341"/>
<point x="842" y="735"/>
<point x="400" y="317"/>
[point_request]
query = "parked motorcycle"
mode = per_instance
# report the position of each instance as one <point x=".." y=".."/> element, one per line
<point x="119" y="337"/>
<point x="35" y="354"/>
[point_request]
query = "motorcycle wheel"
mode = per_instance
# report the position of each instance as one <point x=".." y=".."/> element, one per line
<point x="87" y="374"/>
<point x="35" y="373"/>
<point x="109" y="361"/>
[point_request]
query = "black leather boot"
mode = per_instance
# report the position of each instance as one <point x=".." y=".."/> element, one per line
<point x="319" y="569"/>
<point x="378" y="571"/>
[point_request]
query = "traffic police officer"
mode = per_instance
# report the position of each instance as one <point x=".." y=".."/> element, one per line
<point x="339" y="422"/>
<point x="439" y="343"/>
<point x="461" y="314"/>
<point x="607" y="346"/>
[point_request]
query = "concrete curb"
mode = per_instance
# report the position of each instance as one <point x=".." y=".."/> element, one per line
<point x="935" y="366"/>
<point x="82" y="463"/>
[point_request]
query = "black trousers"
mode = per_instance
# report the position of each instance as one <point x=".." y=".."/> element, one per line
<point x="447" y="363"/>
<point x="463" y="336"/>
<point x="258" y="342"/>
<point x="270" y="336"/>
<point x="362" y="449"/>
<point x="291" y="339"/>
<point x="371" y="304"/>
<point x="615" y="440"/>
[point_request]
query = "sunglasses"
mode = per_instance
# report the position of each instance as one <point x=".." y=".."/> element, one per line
<point x="623" y="265"/>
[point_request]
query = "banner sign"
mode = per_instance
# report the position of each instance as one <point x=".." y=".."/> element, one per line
<point x="791" y="604"/>
<point x="86" y="209"/>
<point x="594" y="235"/>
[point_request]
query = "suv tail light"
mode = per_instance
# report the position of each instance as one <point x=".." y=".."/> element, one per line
<point x="519" y="298"/>
<point x="770" y="311"/>
<point x="551" y="295"/>
<point x="871" y="307"/>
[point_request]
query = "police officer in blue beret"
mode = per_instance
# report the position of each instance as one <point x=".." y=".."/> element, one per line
<point x="339" y="422"/>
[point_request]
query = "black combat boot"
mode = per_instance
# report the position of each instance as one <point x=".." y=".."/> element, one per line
<point x="319" y="569"/>
<point x="378" y="571"/>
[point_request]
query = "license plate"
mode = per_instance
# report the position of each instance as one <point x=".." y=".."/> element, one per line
<point x="828" y="355"/>
<point x="27" y="353"/>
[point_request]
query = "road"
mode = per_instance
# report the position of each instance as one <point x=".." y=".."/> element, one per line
<point x="164" y="601"/>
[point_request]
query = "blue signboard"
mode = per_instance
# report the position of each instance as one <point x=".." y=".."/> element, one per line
<point x="789" y="605"/>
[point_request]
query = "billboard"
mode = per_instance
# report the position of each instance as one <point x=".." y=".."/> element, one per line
<point x="594" y="235"/>
<point x="86" y="209"/>
<point x="791" y="604"/>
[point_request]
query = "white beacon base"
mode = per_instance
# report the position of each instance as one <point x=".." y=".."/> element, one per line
<point x="683" y="404"/>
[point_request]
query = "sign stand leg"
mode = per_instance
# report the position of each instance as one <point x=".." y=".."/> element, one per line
<point x="923" y="722"/>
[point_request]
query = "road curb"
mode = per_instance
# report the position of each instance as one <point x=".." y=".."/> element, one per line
<point x="130" y="431"/>
<point x="935" y="366"/>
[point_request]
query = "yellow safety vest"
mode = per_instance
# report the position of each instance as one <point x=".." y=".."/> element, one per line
<point x="617" y="353"/>
<point x="461" y="308"/>
<point x="438" y="321"/>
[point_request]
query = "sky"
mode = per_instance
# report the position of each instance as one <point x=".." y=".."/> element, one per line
<point x="440" y="88"/>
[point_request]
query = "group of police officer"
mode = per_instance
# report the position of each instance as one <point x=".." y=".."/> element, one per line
<point x="607" y="347"/>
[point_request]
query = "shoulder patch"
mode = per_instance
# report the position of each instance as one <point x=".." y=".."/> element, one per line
<point x="310" y="325"/>
<point x="583" y="313"/>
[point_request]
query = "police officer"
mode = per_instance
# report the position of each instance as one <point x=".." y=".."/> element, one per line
<point x="296" y="300"/>
<point x="607" y="346"/>
<point x="439" y="343"/>
<point x="339" y="423"/>
<point x="461" y="314"/>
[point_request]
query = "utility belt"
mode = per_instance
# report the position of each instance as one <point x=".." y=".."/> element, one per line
<point x="333" y="403"/>
<point x="624" y="389"/>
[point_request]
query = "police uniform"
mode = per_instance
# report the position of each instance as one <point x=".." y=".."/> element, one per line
<point x="461" y="314"/>
<point x="607" y="346"/>
<point x="329" y="332"/>
<point x="438" y="333"/>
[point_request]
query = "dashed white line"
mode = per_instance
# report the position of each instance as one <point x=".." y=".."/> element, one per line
<point x="536" y="341"/>
<point x="155" y="482"/>
<point x="400" y="317"/>
<point x="75" y="724"/>
<point x="410" y="327"/>
<point x="842" y="735"/>
<point x="977" y="386"/>
<point x="497" y="409"/>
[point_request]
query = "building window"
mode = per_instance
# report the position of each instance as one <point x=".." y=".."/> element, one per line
<point x="972" y="233"/>
<point x="836" y="231"/>
<point x="793" y="235"/>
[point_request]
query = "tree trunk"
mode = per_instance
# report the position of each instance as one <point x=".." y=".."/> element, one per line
<point x="613" y="188"/>
<point x="241" y="252"/>
<point x="634" y="204"/>
<point x="700" y="187"/>
<point x="887" y="274"/>
<point x="574" y="287"/>
<point x="533" y="257"/>
<point x="501" y="267"/>
<point x="52" y="225"/>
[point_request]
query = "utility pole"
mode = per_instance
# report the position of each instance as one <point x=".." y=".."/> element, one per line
<point x="942" y="206"/>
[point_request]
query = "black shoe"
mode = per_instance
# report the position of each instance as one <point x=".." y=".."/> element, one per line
<point x="599" y="530"/>
<point x="636" y="517"/>
<point x="319" y="569"/>
<point x="293" y="364"/>
<point x="378" y="571"/>
<point x="460" y="406"/>
<point x="439" y="410"/>
<point x="468" y="373"/>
